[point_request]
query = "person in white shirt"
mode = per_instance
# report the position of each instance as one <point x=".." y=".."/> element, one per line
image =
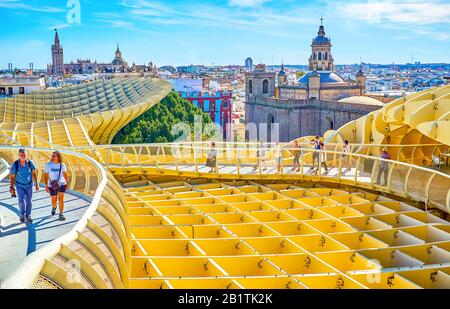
<point x="56" y="182"/>
<point x="211" y="160"/>
<point x="278" y="156"/>
<point x="346" y="157"/>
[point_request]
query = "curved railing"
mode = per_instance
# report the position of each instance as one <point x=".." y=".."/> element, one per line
<point x="96" y="252"/>
<point x="403" y="179"/>
<point x="420" y="154"/>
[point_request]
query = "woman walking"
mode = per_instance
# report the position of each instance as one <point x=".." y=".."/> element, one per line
<point x="384" y="167"/>
<point x="278" y="154"/>
<point x="296" y="154"/>
<point x="261" y="157"/>
<point x="56" y="181"/>
<point x="346" y="157"/>
<point x="211" y="160"/>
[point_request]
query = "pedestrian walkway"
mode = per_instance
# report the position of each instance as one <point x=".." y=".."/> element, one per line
<point x="17" y="240"/>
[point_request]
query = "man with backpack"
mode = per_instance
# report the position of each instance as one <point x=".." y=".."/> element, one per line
<point x="23" y="171"/>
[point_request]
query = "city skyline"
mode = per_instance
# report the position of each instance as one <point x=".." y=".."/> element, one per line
<point x="224" y="32"/>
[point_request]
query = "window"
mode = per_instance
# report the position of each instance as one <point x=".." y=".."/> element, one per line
<point x="326" y="56"/>
<point x="225" y="104"/>
<point x="250" y="86"/>
<point x="320" y="56"/>
<point x="21" y="90"/>
<point x="265" y="86"/>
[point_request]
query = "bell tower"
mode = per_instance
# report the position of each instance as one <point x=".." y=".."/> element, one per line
<point x="321" y="58"/>
<point x="57" y="56"/>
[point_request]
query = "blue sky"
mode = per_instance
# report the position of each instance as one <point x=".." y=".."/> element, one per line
<point x="224" y="31"/>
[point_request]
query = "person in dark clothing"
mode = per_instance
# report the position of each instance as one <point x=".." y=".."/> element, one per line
<point x="23" y="171"/>
<point x="384" y="167"/>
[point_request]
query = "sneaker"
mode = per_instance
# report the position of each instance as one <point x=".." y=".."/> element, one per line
<point x="29" y="220"/>
<point x="22" y="219"/>
<point x="53" y="211"/>
<point x="61" y="217"/>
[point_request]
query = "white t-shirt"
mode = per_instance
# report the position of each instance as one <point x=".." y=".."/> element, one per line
<point x="53" y="170"/>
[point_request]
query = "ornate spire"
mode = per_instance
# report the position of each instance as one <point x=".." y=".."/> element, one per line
<point x="56" y="38"/>
<point x="321" y="28"/>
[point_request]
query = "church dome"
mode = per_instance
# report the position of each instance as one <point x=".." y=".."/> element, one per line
<point x="321" y="40"/>
<point x="362" y="100"/>
<point x="326" y="78"/>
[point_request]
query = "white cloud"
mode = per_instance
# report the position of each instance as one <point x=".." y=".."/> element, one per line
<point x="17" y="4"/>
<point x="247" y="3"/>
<point x="411" y="12"/>
<point x="263" y="20"/>
<point x="115" y="20"/>
<point x="59" y="26"/>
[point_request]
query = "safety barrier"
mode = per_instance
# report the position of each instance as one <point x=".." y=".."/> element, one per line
<point x="96" y="252"/>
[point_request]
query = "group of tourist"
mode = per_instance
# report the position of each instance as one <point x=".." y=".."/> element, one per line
<point x="319" y="158"/>
<point x="23" y="172"/>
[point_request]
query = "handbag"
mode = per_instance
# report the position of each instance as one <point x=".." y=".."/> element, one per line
<point x="54" y="184"/>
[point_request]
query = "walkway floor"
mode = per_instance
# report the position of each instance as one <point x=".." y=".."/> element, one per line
<point x="17" y="240"/>
<point x="333" y="172"/>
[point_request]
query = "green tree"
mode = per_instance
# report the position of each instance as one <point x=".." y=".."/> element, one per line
<point x="155" y="125"/>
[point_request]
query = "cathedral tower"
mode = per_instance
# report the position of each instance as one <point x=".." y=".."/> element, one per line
<point x="57" y="56"/>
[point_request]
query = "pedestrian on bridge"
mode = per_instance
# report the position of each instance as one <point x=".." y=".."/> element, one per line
<point x="261" y="156"/>
<point x="211" y="160"/>
<point x="323" y="157"/>
<point x="346" y="157"/>
<point x="384" y="166"/>
<point x="23" y="171"/>
<point x="56" y="182"/>
<point x="316" y="154"/>
<point x="278" y="156"/>
<point x="296" y="154"/>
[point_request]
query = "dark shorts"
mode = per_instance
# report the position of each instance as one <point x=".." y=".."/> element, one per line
<point x="211" y="163"/>
<point x="316" y="156"/>
<point x="62" y="189"/>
